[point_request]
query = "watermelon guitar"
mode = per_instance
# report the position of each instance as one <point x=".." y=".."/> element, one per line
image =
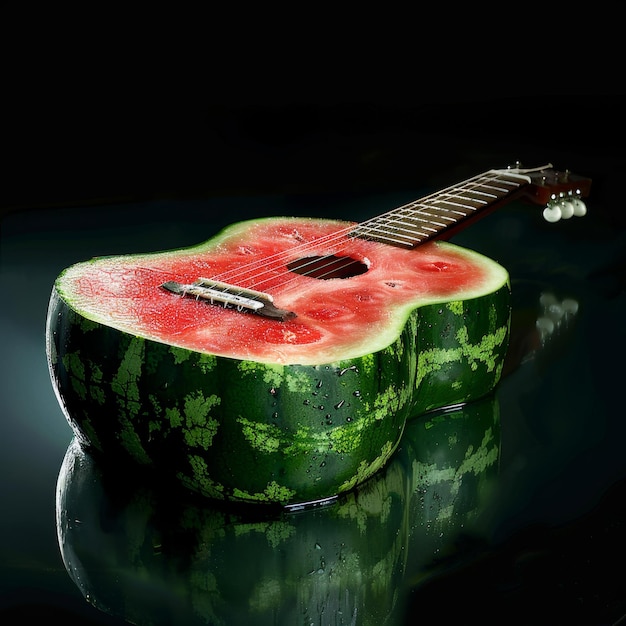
<point x="279" y="361"/>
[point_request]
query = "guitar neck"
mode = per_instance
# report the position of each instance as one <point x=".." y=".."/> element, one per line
<point x="440" y="215"/>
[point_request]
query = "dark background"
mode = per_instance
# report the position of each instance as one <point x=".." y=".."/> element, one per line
<point x="132" y="142"/>
<point x="132" y="105"/>
<point x="89" y="129"/>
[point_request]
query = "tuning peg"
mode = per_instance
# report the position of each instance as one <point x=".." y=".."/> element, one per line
<point x="570" y="306"/>
<point x="580" y="208"/>
<point x="567" y="209"/>
<point x="545" y="326"/>
<point x="552" y="212"/>
<point x="563" y="207"/>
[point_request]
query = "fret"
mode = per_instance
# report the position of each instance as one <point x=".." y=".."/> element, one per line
<point x="419" y="228"/>
<point x="394" y="238"/>
<point x="483" y="195"/>
<point x="500" y="190"/>
<point x="404" y="233"/>
<point x="426" y="220"/>
<point x="432" y="221"/>
<point x="447" y="213"/>
<point x="419" y="221"/>
<point x="461" y="205"/>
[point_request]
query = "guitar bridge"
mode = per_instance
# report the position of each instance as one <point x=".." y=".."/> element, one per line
<point x="230" y="297"/>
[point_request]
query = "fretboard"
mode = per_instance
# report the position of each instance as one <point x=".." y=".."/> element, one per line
<point x="441" y="213"/>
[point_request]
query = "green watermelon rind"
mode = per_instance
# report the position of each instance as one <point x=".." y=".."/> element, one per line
<point x="352" y="555"/>
<point x="243" y="430"/>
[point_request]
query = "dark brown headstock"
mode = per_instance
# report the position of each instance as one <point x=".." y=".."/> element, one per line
<point x="560" y="192"/>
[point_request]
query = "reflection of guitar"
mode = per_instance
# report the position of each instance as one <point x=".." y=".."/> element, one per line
<point x="122" y="537"/>
<point x="535" y="325"/>
<point x="280" y="360"/>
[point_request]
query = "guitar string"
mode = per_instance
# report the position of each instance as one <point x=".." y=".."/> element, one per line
<point x="441" y="213"/>
<point x="365" y="230"/>
<point x="374" y="228"/>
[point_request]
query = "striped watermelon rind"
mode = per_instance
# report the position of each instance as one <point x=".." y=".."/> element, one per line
<point x="254" y="430"/>
<point x="270" y="433"/>
<point x="121" y="536"/>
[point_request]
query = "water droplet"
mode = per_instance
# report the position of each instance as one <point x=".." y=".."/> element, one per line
<point x="306" y="402"/>
<point x="273" y="391"/>
<point x="356" y="394"/>
<point x="319" y="384"/>
<point x="317" y="546"/>
<point x="275" y="415"/>
<point x="340" y="404"/>
<point x="348" y="419"/>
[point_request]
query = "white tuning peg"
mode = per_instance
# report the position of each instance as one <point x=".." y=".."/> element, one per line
<point x="547" y="299"/>
<point x="570" y="306"/>
<point x="580" y="208"/>
<point x="552" y="212"/>
<point x="545" y="326"/>
<point x="567" y="209"/>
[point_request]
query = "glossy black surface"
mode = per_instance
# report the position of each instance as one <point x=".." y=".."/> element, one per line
<point x="534" y="535"/>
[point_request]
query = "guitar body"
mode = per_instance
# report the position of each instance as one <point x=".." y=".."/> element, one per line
<point x="279" y="361"/>
<point x="238" y="406"/>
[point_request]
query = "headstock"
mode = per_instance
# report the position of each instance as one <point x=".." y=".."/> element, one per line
<point x="560" y="192"/>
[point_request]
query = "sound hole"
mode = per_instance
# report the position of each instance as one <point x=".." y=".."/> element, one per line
<point x="327" y="267"/>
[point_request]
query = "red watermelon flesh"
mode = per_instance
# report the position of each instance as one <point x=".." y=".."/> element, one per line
<point x="335" y="318"/>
